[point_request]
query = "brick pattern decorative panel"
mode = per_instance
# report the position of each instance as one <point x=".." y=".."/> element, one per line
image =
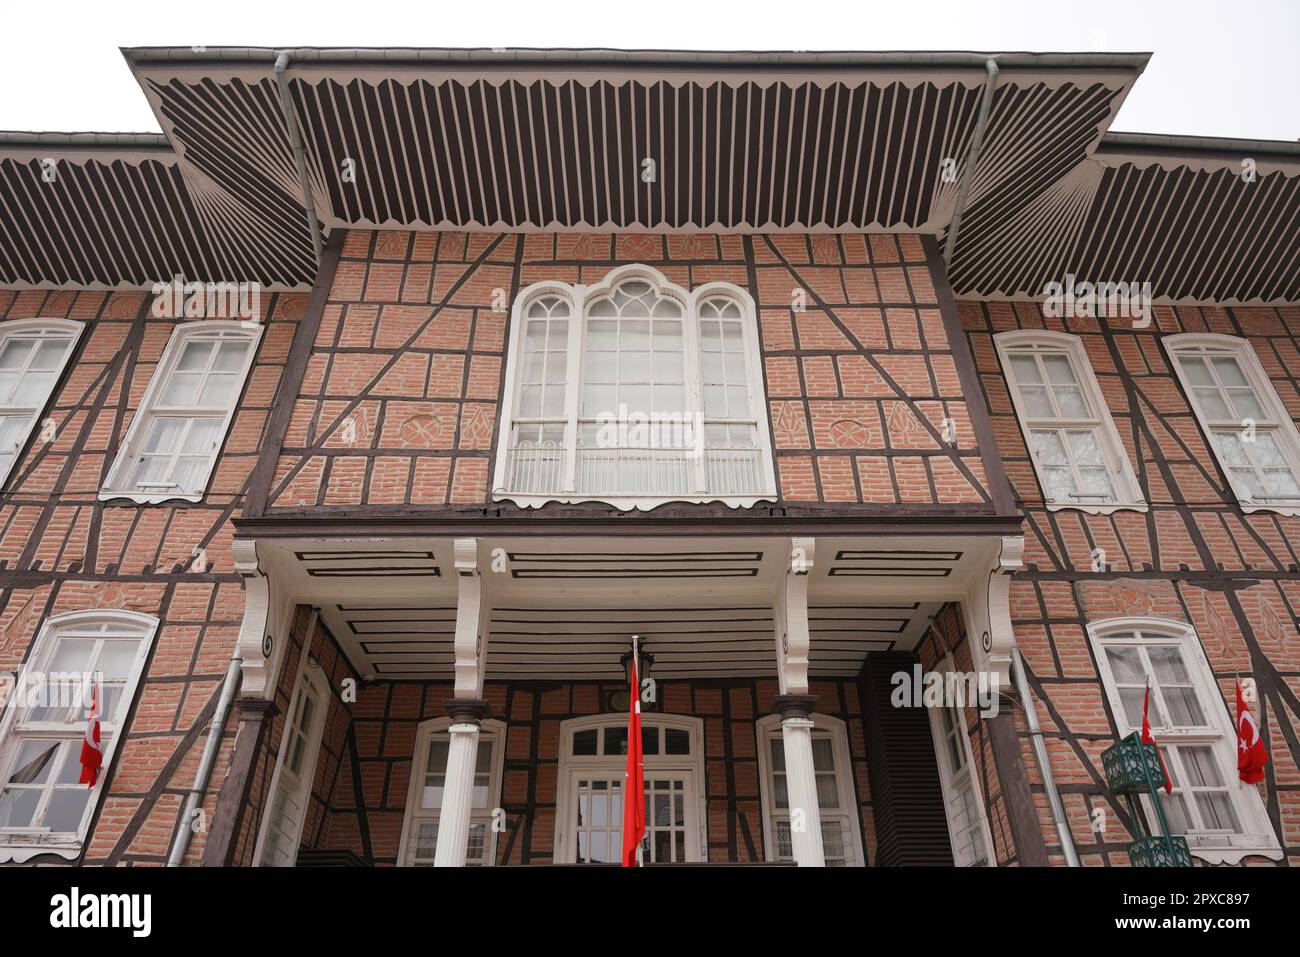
<point x="62" y="550"/>
<point x="1193" y="557"/>
<point x="367" y="803"/>
<point x="398" y="407"/>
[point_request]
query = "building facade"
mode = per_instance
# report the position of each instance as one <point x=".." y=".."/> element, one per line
<point x="356" y="423"/>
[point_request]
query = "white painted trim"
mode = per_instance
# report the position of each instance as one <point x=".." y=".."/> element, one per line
<point x="1253" y="369"/>
<point x="769" y="727"/>
<point x="70" y="847"/>
<point x="1259" y="839"/>
<point x="565" y="849"/>
<point x="113" y="489"/>
<point x="577" y="296"/>
<point x="424" y="736"/>
<point x="307" y="675"/>
<point x="64" y="327"/>
<point x="1128" y="491"/>
<point x="947" y="773"/>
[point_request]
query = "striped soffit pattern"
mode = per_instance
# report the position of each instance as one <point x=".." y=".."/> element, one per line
<point x="606" y="140"/>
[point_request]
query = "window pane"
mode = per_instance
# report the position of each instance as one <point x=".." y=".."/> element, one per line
<point x="584" y="742"/>
<point x="1059" y="370"/>
<point x="33" y="388"/>
<point x="14" y="353"/>
<point x="65" y="810"/>
<point x="35" y="762"/>
<point x="677" y="741"/>
<point x="116" y="658"/>
<point x="17" y="806"/>
<point x="1125" y="664"/>
<point x="182" y="388"/>
<point x="823" y="755"/>
<point x="230" y="356"/>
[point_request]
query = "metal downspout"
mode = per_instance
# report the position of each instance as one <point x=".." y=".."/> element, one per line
<point x="299" y="152"/>
<point x="972" y="159"/>
<point x="1040" y="755"/>
<point x="181" y="843"/>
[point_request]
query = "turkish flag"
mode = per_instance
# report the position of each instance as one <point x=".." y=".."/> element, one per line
<point x="92" y="755"/>
<point x="634" y="778"/>
<point x="1148" y="738"/>
<point x="1251" y="753"/>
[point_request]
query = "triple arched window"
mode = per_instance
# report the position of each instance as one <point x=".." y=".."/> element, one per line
<point x="634" y="391"/>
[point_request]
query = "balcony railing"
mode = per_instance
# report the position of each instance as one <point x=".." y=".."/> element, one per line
<point x="539" y="469"/>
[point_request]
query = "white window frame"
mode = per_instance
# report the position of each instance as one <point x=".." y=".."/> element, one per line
<point x="310" y="678"/>
<point x="1279" y="423"/>
<point x="20" y="845"/>
<point x="769" y="728"/>
<point x="1128" y="491"/>
<point x="1220" y="734"/>
<point x="68" y="329"/>
<point x="691" y="765"/>
<point x="577" y="296"/>
<point x="127" y="457"/>
<point x="427" y="732"/>
<point x="954" y="780"/>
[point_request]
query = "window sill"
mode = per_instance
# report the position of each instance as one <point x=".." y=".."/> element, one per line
<point x="632" y="503"/>
<point x="1106" y="509"/>
<point x="1250" y="507"/>
<point x="148" y="498"/>
<point x="1255" y="845"/>
<point x="17" y="847"/>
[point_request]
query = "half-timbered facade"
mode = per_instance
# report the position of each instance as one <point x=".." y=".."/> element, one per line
<point x="353" y="426"/>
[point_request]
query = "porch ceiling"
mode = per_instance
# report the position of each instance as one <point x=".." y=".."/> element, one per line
<point x="566" y="608"/>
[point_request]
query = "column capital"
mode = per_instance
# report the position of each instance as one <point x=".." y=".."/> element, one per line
<point x="467" y="710"/>
<point x="794" y="705"/>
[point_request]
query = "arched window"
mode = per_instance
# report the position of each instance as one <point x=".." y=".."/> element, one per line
<point x="44" y="807"/>
<point x="634" y="392"/>
<point x="1250" y="430"/>
<point x="172" y="444"/>
<point x="1074" y="445"/>
<point x="429" y="778"/>
<point x="33" y="354"/>
<point x="837" y="806"/>
<point x="1222" y="818"/>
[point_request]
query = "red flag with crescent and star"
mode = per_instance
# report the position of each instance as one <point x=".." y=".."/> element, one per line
<point x="1251" y="753"/>
<point x="634" y="778"/>
<point x="1149" y="738"/>
<point x="92" y="752"/>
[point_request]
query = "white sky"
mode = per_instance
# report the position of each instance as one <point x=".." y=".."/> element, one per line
<point x="1221" y="67"/>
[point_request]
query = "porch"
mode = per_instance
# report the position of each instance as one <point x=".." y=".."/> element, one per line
<point x="489" y="719"/>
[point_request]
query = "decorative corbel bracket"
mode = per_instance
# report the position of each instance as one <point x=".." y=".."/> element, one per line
<point x="256" y="644"/>
<point x="470" y="646"/>
<point x="987" y="610"/>
<point x="792" y="638"/>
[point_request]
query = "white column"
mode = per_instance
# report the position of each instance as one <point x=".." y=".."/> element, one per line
<point x="801" y="780"/>
<point x="458" y="790"/>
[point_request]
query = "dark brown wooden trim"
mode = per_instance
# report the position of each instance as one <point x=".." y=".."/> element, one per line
<point x="488" y="522"/>
<point x="1016" y="796"/>
<point x="291" y="376"/>
<point x="233" y="797"/>
<point x="968" y="375"/>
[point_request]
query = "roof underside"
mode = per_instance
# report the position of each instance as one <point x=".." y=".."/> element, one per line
<point x="617" y="140"/>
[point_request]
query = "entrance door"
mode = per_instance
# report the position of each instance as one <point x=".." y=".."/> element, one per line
<point x="292" y="787"/>
<point x="589" y="811"/>
<point x="597" y="804"/>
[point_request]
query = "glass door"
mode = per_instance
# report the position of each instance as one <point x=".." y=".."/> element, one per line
<point x="598" y="824"/>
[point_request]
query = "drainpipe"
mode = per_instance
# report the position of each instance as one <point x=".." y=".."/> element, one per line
<point x="972" y="159"/>
<point x="181" y="842"/>
<point x="1040" y="755"/>
<point x="299" y="152"/>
